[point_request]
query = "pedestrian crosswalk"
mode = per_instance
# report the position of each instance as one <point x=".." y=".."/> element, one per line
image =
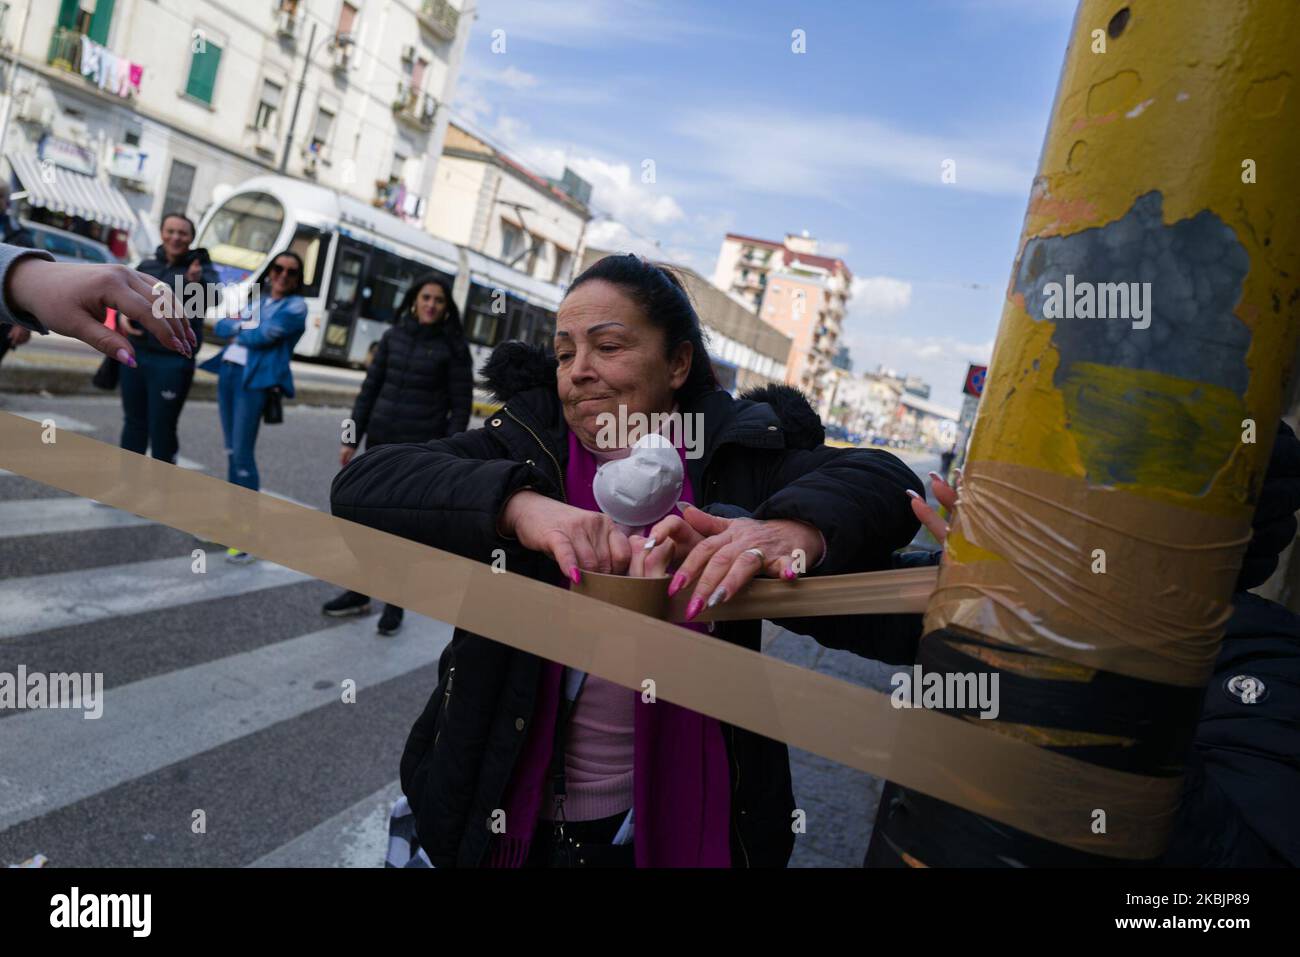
<point x="226" y="692"/>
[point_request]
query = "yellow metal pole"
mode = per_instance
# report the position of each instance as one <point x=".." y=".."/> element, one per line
<point x="1139" y="372"/>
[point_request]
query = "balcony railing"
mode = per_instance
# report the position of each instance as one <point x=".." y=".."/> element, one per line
<point x="415" y="107"/>
<point x="65" y="54"/>
<point x="440" y="17"/>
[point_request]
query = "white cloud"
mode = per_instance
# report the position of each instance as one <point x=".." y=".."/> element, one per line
<point x="879" y="294"/>
<point x="823" y="155"/>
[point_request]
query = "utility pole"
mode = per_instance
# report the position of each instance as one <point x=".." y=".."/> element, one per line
<point x="297" y="100"/>
<point x="1114" y="464"/>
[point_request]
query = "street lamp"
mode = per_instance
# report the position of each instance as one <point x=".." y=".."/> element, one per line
<point x="339" y="40"/>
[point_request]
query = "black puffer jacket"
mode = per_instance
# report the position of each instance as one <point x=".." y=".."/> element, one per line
<point x="420" y="386"/>
<point x="196" y="305"/>
<point x="762" y="453"/>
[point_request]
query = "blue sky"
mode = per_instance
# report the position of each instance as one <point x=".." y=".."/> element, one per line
<point x="845" y="140"/>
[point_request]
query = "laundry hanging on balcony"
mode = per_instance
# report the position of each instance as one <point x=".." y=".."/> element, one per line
<point x="109" y="71"/>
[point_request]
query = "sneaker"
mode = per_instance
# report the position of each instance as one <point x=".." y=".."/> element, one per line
<point x="348" y="603"/>
<point x="391" y="620"/>
<point x="236" y="557"/>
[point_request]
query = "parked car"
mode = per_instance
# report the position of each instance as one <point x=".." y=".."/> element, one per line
<point x="69" y="247"/>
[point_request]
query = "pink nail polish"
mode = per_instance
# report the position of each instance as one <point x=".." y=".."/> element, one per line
<point x="575" y="575"/>
<point x="693" y="608"/>
<point x="676" y="584"/>
<point x="788" y="574"/>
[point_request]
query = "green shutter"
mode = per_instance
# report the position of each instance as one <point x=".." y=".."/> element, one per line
<point x="203" y="72"/>
<point x="68" y="14"/>
<point x="100" y="22"/>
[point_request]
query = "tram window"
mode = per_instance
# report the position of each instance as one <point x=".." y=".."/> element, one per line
<point x="543" y="327"/>
<point x="241" y="234"/>
<point x="483" y="328"/>
<point x="310" y="243"/>
<point x="347" y="279"/>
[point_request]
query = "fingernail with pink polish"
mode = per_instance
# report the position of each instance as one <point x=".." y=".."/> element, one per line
<point x="125" y="358"/>
<point x="575" y="575"/>
<point x="693" y="608"/>
<point x="676" y="584"/>
<point x="788" y="574"/>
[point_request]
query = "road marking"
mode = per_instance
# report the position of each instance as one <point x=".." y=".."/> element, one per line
<point x="56" y="600"/>
<point x="169" y="718"/>
<point x="60" y="420"/>
<point x="355" y="837"/>
<point x="45" y="516"/>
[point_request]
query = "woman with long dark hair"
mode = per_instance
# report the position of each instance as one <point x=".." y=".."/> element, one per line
<point x="419" y="387"/>
<point x="254" y="362"/>
<point x="525" y="763"/>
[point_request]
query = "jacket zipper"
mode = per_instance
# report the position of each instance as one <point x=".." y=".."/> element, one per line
<point x="446" y="698"/>
<point x="554" y="461"/>
<point x="735" y="791"/>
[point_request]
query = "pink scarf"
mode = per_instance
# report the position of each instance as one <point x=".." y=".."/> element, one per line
<point x="681" y="784"/>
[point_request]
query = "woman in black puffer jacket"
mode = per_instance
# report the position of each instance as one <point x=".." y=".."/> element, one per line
<point x="419" y="387"/>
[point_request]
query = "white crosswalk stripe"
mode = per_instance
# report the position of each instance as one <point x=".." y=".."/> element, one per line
<point x="151" y="723"/>
<point x="48" y="515"/>
<point x="60" y="599"/>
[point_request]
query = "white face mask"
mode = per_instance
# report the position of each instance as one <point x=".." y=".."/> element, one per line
<point x="643" y="487"/>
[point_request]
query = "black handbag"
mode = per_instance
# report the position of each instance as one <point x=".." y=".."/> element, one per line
<point x="106" y="375"/>
<point x="273" y="410"/>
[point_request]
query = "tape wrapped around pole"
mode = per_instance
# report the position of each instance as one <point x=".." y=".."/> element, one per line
<point x="954" y="760"/>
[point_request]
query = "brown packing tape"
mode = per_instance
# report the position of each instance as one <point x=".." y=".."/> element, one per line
<point x="1150" y="615"/>
<point x="1043" y="793"/>
<point x="902" y="590"/>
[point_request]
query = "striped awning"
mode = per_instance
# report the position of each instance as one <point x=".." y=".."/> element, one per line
<point x="75" y="194"/>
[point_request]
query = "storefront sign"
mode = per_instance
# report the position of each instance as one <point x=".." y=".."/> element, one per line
<point x="67" y="154"/>
<point x="129" y="162"/>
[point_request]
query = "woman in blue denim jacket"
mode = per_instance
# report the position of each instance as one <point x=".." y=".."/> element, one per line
<point x="254" y="362"/>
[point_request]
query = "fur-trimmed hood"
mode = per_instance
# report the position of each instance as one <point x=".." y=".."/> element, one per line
<point x="516" y="367"/>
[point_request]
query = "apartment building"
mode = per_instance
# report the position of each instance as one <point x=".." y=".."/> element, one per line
<point x="491" y="203"/>
<point x="802" y="294"/>
<point x="124" y="109"/>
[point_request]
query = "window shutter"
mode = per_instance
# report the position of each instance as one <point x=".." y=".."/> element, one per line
<point x="203" y="72"/>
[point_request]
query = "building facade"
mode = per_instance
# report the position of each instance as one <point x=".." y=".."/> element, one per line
<point x="124" y="109"/>
<point x="490" y="203"/>
<point x="802" y="294"/>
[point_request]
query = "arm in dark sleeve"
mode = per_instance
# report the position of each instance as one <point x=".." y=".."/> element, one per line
<point x="370" y="387"/>
<point x="460" y="388"/>
<point x="857" y="498"/>
<point x="8" y="256"/>
<point x="448" y="494"/>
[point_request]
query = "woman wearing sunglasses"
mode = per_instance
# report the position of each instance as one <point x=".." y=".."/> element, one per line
<point x="254" y="362"/>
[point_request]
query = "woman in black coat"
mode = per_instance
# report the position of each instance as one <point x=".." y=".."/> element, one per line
<point x="419" y="387"/>
<point x="627" y="341"/>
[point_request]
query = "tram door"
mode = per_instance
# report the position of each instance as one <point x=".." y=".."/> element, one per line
<point x="347" y="295"/>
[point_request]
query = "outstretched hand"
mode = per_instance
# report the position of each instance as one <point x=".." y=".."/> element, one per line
<point x="72" y="299"/>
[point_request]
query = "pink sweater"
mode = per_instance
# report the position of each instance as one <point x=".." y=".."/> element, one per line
<point x="598" y="759"/>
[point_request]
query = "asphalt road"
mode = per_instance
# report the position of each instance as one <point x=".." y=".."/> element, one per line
<point x="222" y="693"/>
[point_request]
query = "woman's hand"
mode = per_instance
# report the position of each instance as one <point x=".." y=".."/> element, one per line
<point x="345" y="455"/>
<point x="945" y="495"/>
<point x="653" y="562"/>
<point x="727" y="558"/>
<point x="71" y="299"/>
<point x="18" y="335"/>
<point x="574" y="537"/>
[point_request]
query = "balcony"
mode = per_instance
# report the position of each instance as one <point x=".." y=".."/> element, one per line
<point x="415" y="108"/>
<point x="439" y="17"/>
<point x="65" y="54"/>
<point x="287" y="24"/>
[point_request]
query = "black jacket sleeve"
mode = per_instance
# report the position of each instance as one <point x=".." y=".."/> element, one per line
<point x="460" y="389"/>
<point x="448" y="493"/>
<point x="857" y="498"/>
<point x="365" y="403"/>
